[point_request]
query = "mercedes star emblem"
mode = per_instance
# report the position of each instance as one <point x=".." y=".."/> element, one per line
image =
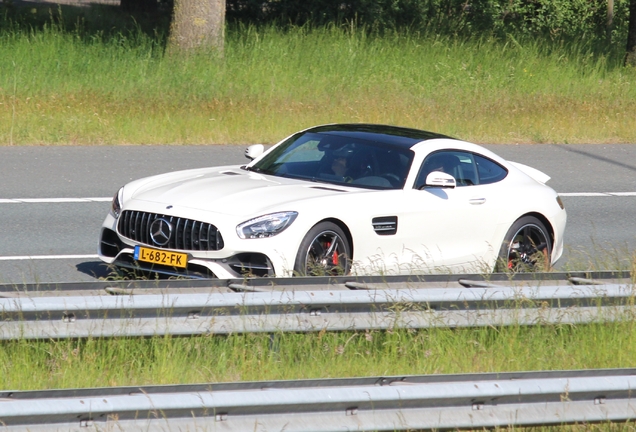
<point x="160" y="231"/>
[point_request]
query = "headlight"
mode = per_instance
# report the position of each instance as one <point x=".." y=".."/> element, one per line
<point x="115" y="207"/>
<point x="266" y="226"/>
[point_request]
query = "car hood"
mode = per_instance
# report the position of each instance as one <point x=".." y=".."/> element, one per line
<point x="228" y="190"/>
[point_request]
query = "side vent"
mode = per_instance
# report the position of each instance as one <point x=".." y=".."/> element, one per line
<point x="385" y="225"/>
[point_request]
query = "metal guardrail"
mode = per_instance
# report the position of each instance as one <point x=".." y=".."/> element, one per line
<point x="362" y="306"/>
<point x="306" y="283"/>
<point x="472" y="401"/>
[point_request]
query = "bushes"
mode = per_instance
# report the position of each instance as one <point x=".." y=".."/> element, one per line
<point x="552" y="18"/>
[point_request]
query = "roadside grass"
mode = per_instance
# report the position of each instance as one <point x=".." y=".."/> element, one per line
<point x="252" y="357"/>
<point x="57" y="87"/>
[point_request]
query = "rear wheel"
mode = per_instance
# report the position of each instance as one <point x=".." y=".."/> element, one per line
<point x="527" y="247"/>
<point x="325" y="251"/>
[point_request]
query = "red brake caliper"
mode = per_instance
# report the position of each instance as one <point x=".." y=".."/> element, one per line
<point x="334" y="258"/>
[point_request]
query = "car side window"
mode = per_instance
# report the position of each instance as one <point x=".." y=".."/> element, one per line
<point x="468" y="168"/>
<point x="461" y="165"/>
<point x="489" y="171"/>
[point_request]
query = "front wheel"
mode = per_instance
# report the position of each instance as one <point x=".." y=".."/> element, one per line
<point x="527" y="247"/>
<point x="325" y="251"/>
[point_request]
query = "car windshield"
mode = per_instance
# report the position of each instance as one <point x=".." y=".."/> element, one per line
<point x="338" y="159"/>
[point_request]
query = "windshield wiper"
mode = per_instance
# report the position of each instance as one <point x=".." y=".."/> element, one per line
<point x="259" y="170"/>
<point x="253" y="169"/>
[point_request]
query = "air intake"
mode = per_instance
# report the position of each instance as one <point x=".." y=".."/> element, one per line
<point x="386" y="225"/>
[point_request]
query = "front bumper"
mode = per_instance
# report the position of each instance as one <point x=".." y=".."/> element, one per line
<point x="114" y="251"/>
<point x="238" y="258"/>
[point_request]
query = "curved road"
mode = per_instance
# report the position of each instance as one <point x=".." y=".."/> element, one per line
<point x="47" y="234"/>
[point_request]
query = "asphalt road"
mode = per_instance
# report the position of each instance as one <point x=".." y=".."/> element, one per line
<point x="46" y="235"/>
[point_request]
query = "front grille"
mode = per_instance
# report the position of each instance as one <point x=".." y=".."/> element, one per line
<point x="187" y="234"/>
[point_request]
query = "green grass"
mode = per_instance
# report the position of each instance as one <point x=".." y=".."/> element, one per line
<point x="249" y="357"/>
<point x="57" y="87"/>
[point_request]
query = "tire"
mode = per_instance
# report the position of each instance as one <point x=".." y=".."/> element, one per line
<point x="527" y="247"/>
<point x="325" y="251"/>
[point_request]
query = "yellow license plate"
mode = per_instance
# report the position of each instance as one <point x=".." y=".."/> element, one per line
<point x="172" y="259"/>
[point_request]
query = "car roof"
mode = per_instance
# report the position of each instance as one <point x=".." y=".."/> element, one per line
<point x="393" y="135"/>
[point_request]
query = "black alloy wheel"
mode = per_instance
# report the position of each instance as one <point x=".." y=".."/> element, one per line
<point x="527" y="247"/>
<point x="325" y="251"/>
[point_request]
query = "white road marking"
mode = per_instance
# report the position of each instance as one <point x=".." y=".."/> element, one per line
<point x="44" y="257"/>
<point x="108" y="199"/>
<point x="52" y="200"/>
<point x="597" y="194"/>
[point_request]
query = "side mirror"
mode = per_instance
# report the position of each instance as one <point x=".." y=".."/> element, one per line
<point x="254" y="151"/>
<point x="440" y="179"/>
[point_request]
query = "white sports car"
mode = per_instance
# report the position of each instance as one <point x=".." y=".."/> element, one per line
<point x="340" y="199"/>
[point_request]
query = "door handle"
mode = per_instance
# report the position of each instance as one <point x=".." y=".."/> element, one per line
<point x="477" y="201"/>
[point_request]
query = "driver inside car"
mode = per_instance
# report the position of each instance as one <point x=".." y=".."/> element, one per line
<point x="337" y="163"/>
<point x="339" y="166"/>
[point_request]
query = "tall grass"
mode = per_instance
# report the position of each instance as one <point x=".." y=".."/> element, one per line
<point x="247" y="357"/>
<point x="59" y="88"/>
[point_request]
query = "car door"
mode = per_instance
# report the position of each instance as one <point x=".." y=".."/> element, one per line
<point x="453" y="228"/>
